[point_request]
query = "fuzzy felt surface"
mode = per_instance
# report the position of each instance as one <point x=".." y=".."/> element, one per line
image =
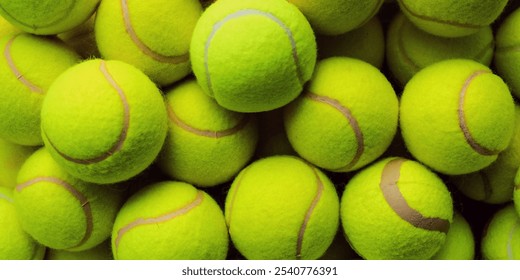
<point x="12" y="156"/>
<point x="507" y="57"/>
<point x="501" y="239"/>
<point x="460" y="242"/>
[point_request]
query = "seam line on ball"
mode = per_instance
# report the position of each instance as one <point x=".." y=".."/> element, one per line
<point x="240" y="177"/>
<point x="510" y="251"/>
<point x="6" y="198"/>
<point x="395" y="199"/>
<point x="142" y="46"/>
<point x="247" y="12"/>
<point x="66" y="13"/>
<point x="12" y="66"/>
<point x="85" y="204"/>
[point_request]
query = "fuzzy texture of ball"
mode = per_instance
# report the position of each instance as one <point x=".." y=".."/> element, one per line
<point x="206" y="144"/>
<point x="60" y="211"/>
<point x="152" y="35"/>
<point x="6" y="28"/>
<point x="82" y="40"/>
<point x="396" y="209"/>
<point x="346" y="118"/>
<point x="15" y="243"/>
<point x="460" y="243"/>
<point x="102" y="251"/>
<point x="28" y="66"/>
<point x="333" y="17"/>
<point x="253" y="55"/>
<point x="282" y="207"/>
<point x="12" y="156"/>
<point x="172" y="221"/>
<point x="507" y="55"/>
<point x="410" y="49"/>
<point x="366" y="42"/>
<point x="456" y="116"/>
<point x="450" y="18"/>
<point x="104" y="121"/>
<point x="46" y="17"/>
<point x="501" y="238"/>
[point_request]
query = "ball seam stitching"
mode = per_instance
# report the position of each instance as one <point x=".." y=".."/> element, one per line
<point x="66" y="13"/>
<point x="12" y="66"/>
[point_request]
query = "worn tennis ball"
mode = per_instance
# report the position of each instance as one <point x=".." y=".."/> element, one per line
<point x="460" y="243"/>
<point x="410" y="49"/>
<point x="448" y="18"/>
<point x="12" y="156"/>
<point x="206" y="145"/>
<point x="15" y="243"/>
<point x="346" y="118"/>
<point x="334" y="17"/>
<point x="253" y="55"/>
<point x="104" y="121"/>
<point x="282" y="207"/>
<point x="81" y="39"/>
<point x="46" y="17"/>
<point x="60" y="211"/>
<point x="507" y="56"/>
<point x="170" y="220"/>
<point x="153" y="35"/>
<point x="501" y="238"/>
<point x="28" y="66"/>
<point x="396" y="209"/>
<point x="456" y="116"/>
<point x="102" y="251"/>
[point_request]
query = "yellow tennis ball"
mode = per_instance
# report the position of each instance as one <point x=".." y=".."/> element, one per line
<point x="47" y="17"/>
<point x="28" y="66"/>
<point x="507" y="57"/>
<point x="346" y="118"/>
<point x="152" y="35"/>
<point x="501" y="238"/>
<point x="170" y="220"/>
<point x="206" y="145"/>
<point x="396" y="209"/>
<point x="102" y="251"/>
<point x="12" y="157"/>
<point x="253" y="55"/>
<point x="456" y="116"/>
<point x="334" y="17"/>
<point x="15" y="243"/>
<point x="104" y="121"/>
<point x="281" y="207"/>
<point x="60" y="211"/>
<point x="449" y="18"/>
<point x="460" y="243"/>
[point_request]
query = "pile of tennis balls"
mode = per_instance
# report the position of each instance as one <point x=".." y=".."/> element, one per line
<point x="259" y="129"/>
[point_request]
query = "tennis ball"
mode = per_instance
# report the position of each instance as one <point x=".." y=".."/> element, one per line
<point x="366" y="42"/>
<point x="253" y="55"/>
<point x="104" y="121"/>
<point x="15" y="243"/>
<point x="346" y="118"/>
<point x="396" y="209"/>
<point x="495" y="183"/>
<point x="170" y="220"/>
<point x="60" y="211"/>
<point x="501" y="238"/>
<point x="410" y="49"/>
<point x="456" y="116"/>
<point x="12" y="157"/>
<point x="6" y="28"/>
<point x="48" y="16"/>
<point x="281" y="207"/>
<point x="28" y="66"/>
<point x="206" y="145"/>
<point x="460" y="243"/>
<point x="507" y="57"/>
<point x="333" y="17"/>
<point x="448" y="18"/>
<point x="153" y="35"/>
<point x="102" y="251"/>
<point x="82" y="39"/>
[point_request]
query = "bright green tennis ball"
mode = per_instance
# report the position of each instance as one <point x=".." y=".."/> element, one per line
<point x="206" y="145"/>
<point x="460" y="243"/>
<point x="366" y="42"/>
<point x="45" y="17"/>
<point x="170" y="220"/>
<point x="448" y="18"/>
<point x="253" y="55"/>
<point x="12" y="157"/>
<point x="282" y="207"/>
<point x="507" y="55"/>
<point x="334" y="17"/>
<point x="396" y="209"/>
<point x="15" y="243"/>
<point x="456" y="116"/>
<point x="152" y="35"/>
<point x="501" y="238"/>
<point x="28" y="66"/>
<point x="102" y="251"/>
<point x="410" y="49"/>
<point x="346" y="118"/>
<point x="82" y="39"/>
<point x="104" y="121"/>
<point x="60" y="211"/>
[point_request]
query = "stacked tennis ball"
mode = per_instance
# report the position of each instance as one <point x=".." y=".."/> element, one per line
<point x="259" y="129"/>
